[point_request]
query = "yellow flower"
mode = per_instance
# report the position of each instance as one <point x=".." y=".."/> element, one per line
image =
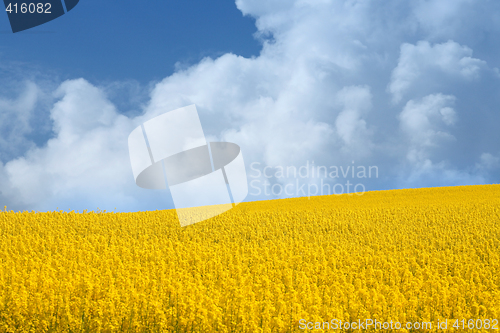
<point x="407" y="255"/>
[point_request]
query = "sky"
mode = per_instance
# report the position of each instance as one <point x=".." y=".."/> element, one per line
<point x="409" y="91"/>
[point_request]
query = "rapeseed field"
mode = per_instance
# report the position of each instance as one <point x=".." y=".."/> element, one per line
<point x="415" y="255"/>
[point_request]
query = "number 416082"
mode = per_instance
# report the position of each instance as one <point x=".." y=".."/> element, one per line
<point x="31" y="8"/>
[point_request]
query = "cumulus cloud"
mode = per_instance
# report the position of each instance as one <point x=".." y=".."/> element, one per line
<point x="350" y="125"/>
<point x="424" y="122"/>
<point x="417" y="63"/>
<point x="326" y="88"/>
<point x="85" y="166"/>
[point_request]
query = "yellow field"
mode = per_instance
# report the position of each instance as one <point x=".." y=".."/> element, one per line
<point x="405" y="256"/>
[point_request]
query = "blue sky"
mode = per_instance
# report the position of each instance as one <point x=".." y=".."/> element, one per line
<point x="133" y="41"/>
<point x="409" y="87"/>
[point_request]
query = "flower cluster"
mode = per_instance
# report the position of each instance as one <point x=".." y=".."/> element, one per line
<point x="403" y="255"/>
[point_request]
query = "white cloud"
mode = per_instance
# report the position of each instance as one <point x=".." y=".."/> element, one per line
<point x="86" y="164"/>
<point x="424" y="122"/>
<point x="420" y="60"/>
<point x="350" y="125"/>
